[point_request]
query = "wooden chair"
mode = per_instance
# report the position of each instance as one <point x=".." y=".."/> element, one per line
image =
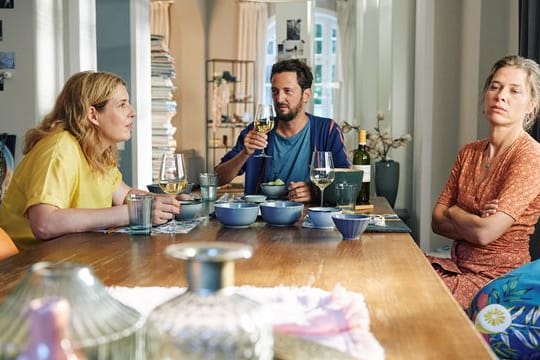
<point x="7" y="247"/>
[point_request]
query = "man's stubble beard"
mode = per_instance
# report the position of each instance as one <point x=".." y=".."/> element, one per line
<point x="289" y="116"/>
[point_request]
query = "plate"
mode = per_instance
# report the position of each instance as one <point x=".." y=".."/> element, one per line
<point x="309" y="225"/>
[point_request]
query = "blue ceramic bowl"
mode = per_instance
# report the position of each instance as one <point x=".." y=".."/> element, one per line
<point x="189" y="210"/>
<point x="351" y="226"/>
<point x="236" y="214"/>
<point x="321" y="217"/>
<point x="281" y="213"/>
<point x="274" y="191"/>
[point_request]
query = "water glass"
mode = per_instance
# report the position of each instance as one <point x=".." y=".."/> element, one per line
<point x="209" y="184"/>
<point x="346" y="197"/>
<point x="140" y="213"/>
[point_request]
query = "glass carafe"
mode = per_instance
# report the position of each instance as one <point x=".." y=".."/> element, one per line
<point x="99" y="327"/>
<point x="209" y="321"/>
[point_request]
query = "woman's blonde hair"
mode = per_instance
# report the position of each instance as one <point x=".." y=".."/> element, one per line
<point x="532" y="70"/>
<point x="82" y="90"/>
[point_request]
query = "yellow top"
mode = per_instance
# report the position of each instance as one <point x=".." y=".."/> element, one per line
<point x="54" y="172"/>
<point x="362" y="136"/>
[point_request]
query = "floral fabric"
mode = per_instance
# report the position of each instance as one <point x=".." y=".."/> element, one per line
<point x="515" y="182"/>
<point x="507" y="313"/>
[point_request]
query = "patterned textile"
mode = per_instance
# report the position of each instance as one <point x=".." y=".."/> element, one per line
<point x="514" y="181"/>
<point x="507" y="313"/>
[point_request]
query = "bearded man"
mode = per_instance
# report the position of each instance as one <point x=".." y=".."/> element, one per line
<point x="290" y="144"/>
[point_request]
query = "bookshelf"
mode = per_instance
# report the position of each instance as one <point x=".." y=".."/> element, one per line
<point x="163" y="105"/>
<point x="231" y="99"/>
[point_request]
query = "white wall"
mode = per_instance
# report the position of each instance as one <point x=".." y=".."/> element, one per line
<point x="17" y="101"/>
<point x="46" y="36"/>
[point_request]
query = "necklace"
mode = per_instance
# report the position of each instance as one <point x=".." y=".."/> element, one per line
<point x="488" y="162"/>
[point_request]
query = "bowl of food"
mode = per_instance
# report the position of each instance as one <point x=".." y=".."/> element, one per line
<point x="321" y="216"/>
<point x="274" y="189"/>
<point x="236" y="215"/>
<point x="281" y="213"/>
<point x="351" y="226"/>
<point x="189" y="209"/>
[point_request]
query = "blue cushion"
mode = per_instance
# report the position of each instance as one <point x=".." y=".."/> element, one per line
<point x="507" y="313"/>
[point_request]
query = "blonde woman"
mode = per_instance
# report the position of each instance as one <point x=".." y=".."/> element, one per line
<point x="491" y="201"/>
<point x="68" y="180"/>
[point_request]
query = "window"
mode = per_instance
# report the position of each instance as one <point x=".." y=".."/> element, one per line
<point x="324" y="63"/>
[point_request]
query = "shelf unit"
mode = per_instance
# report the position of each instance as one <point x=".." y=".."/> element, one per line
<point x="230" y="105"/>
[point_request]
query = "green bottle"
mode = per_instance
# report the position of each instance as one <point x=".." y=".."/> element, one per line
<point x="362" y="161"/>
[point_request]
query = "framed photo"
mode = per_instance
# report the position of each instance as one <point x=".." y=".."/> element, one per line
<point x="7" y="4"/>
<point x="7" y="59"/>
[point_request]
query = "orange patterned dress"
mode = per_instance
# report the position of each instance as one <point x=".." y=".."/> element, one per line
<point x="515" y="181"/>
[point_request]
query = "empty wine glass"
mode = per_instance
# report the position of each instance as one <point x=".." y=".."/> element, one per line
<point x="264" y="122"/>
<point x="322" y="170"/>
<point x="172" y="175"/>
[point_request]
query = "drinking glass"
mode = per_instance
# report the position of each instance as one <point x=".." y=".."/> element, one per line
<point x="172" y="175"/>
<point x="322" y="170"/>
<point x="264" y="122"/>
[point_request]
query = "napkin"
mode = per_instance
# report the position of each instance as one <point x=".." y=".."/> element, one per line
<point x="181" y="227"/>
<point x="335" y="320"/>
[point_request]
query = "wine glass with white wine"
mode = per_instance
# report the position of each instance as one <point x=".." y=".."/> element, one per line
<point x="264" y="122"/>
<point x="172" y="175"/>
<point x="322" y="170"/>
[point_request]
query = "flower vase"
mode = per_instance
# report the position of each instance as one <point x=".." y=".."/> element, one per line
<point x="387" y="180"/>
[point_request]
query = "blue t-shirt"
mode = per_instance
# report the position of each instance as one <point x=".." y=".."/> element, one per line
<point x="290" y="157"/>
<point x="324" y="134"/>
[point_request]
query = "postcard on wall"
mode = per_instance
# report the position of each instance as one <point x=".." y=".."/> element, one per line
<point x="7" y="59"/>
<point x="293" y="46"/>
<point x="7" y="4"/>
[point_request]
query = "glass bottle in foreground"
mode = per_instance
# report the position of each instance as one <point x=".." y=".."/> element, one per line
<point x="362" y="161"/>
<point x="209" y="321"/>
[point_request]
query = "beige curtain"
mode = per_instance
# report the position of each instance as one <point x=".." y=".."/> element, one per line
<point x="253" y="20"/>
<point x="160" y="19"/>
<point x="346" y="95"/>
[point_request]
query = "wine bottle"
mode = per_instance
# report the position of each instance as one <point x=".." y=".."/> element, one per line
<point x="362" y="161"/>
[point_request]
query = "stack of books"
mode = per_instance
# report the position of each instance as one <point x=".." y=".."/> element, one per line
<point x="163" y="105"/>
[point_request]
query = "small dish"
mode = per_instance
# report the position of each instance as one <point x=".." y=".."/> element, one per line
<point x="309" y="225"/>
<point x="257" y="199"/>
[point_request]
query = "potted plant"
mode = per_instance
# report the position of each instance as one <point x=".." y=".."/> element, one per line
<point x="379" y="143"/>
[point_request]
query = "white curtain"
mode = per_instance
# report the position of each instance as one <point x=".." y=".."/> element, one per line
<point x="346" y="94"/>
<point x="253" y="20"/>
<point x="160" y="19"/>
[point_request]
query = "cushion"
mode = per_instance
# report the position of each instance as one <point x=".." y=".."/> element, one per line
<point x="506" y="311"/>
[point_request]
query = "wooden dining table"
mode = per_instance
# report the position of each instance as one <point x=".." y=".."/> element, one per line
<point x="413" y="315"/>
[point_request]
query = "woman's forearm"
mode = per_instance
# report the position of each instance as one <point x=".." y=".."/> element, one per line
<point x="47" y="221"/>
